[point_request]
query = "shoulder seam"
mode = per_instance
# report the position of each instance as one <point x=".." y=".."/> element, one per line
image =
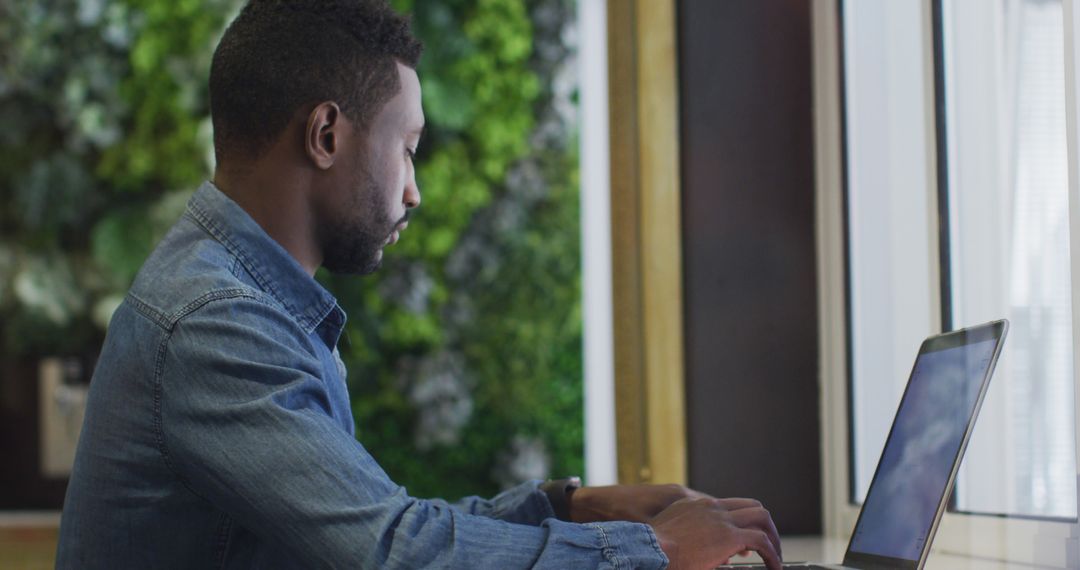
<point x="168" y="322"/>
<point x="159" y="363"/>
<point x="199" y="218"/>
<point x="216" y="295"/>
<point x="146" y="310"/>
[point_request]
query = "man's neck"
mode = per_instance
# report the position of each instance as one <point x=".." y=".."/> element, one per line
<point x="275" y="195"/>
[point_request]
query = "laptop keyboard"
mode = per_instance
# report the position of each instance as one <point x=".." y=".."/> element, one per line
<point x="791" y="567"/>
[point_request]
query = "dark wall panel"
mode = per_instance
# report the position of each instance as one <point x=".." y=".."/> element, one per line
<point x="750" y="284"/>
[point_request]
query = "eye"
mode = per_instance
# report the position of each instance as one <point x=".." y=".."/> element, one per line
<point x="410" y="153"/>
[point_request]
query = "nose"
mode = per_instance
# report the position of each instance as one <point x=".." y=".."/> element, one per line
<point x="412" y="193"/>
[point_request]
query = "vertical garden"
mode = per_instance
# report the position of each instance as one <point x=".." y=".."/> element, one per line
<point x="464" y="350"/>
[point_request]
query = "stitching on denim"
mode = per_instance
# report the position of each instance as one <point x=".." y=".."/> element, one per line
<point x="223" y="533"/>
<point x="207" y="224"/>
<point x="210" y="296"/>
<point x="159" y="431"/>
<point x="159" y="369"/>
<point x="606" y="550"/>
<point x="322" y="315"/>
<point x="146" y="310"/>
<point x="234" y="267"/>
<point x="655" y="542"/>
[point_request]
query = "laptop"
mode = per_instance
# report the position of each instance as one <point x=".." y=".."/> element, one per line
<point x="918" y="466"/>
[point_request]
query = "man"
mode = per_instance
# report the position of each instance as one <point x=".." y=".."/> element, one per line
<point x="218" y="431"/>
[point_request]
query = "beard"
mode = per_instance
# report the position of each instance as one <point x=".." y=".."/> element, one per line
<point x="354" y="240"/>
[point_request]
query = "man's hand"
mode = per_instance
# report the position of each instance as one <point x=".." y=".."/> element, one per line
<point x="703" y="533"/>
<point x="694" y="529"/>
<point x="634" y="503"/>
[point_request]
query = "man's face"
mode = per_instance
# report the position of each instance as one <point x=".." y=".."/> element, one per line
<point x="369" y="208"/>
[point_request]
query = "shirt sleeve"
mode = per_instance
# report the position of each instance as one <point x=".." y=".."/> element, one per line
<point x="523" y="504"/>
<point x="244" y="421"/>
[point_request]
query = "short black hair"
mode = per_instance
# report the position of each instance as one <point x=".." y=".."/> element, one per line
<point x="279" y="55"/>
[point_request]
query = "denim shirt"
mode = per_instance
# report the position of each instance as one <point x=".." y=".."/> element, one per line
<point x="218" y="434"/>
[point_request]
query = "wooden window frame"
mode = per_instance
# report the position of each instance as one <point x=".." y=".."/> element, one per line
<point x="650" y="407"/>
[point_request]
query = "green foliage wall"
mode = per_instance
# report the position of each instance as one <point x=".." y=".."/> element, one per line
<point x="465" y="354"/>
<point x="464" y="351"/>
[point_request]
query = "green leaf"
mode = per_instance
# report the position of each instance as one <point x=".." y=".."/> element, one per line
<point x="121" y="242"/>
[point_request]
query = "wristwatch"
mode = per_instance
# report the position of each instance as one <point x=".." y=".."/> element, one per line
<point x="559" y="492"/>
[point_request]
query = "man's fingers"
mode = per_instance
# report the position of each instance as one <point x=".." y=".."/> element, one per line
<point x="697" y="494"/>
<point x="758" y="519"/>
<point x="757" y="541"/>
<point x="694" y="531"/>
<point x="735" y="504"/>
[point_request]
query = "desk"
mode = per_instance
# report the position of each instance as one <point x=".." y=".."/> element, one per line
<point x="818" y="549"/>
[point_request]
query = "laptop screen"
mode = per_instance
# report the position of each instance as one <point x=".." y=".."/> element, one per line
<point x="901" y="506"/>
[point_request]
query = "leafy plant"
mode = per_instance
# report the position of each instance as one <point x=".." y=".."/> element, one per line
<point x="464" y="352"/>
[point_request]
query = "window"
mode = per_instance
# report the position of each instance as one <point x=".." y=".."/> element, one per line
<point x="987" y="239"/>
<point x="1008" y="245"/>
<point x="888" y="202"/>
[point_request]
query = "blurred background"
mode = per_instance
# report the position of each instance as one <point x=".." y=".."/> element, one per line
<point x="690" y="241"/>
<point x="464" y="352"/>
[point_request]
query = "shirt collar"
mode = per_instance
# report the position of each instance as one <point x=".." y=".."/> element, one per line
<point x="273" y="268"/>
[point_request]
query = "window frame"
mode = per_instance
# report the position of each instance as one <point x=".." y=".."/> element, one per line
<point x="1050" y="543"/>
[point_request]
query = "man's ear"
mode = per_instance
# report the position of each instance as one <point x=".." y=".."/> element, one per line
<point x="322" y="137"/>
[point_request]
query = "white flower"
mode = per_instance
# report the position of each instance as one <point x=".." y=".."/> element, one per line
<point x="526" y="459"/>
<point x="442" y="398"/>
<point x="410" y="285"/>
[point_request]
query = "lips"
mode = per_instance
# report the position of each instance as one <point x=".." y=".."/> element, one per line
<point x="396" y="234"/>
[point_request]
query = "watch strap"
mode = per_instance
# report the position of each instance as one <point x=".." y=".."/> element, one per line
<point x="559" y="492"/>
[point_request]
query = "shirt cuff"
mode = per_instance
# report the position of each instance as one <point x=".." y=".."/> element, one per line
<point x="524" y="504"/>
<point x="630" y="545"/>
